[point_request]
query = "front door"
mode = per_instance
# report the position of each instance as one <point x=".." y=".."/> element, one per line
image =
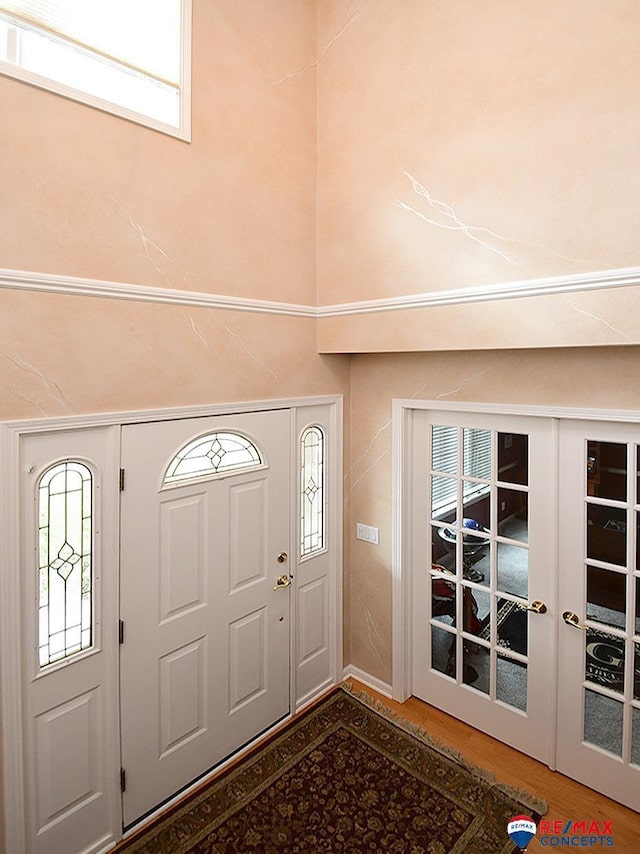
<point x="599" y="608"/>
<point x="483" y="548"/>
<point x="204" y="596"/>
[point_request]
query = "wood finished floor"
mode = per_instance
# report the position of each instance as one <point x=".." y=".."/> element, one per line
<point x="566" y="798"/>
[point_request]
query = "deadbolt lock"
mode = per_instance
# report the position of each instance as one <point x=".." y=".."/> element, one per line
<point x="282" y="557"/>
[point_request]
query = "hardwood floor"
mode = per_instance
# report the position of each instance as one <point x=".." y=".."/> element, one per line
<point x="566" y="798"/>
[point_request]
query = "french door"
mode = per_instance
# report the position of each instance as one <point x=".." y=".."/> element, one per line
<point x="526" y="586"/>
<point x="483" y="546"/>
<point x="599" y="608"/>
<point x="205" y="590"/>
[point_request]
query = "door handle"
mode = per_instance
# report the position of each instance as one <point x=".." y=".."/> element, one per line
<point x="572" y="619"/>
<point x="537" y="607"/>
<point x="282" y="582"/>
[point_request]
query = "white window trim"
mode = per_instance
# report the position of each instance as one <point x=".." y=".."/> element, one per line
<point x="183" y="131"/>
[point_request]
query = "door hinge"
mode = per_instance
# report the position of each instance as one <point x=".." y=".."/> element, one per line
<point x="120" y="631"/>
<point x="123" y="780"/>
<point x="121" y="480"/>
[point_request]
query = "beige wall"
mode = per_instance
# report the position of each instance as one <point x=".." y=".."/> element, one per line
<point x="518" y="122"/>
<point x="585" y="378"/>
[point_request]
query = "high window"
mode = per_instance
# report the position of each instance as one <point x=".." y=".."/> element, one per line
<point x="128" y="57"/>
<point x="214" y="454"/>
<point x="65" y="566"/>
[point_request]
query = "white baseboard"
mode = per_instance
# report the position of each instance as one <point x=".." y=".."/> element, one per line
<point x="351" y="672"/>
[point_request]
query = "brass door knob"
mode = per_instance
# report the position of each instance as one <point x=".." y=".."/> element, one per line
<point x="283" y="581"/>
<point x="572" y="619"/>
<point x="537" y="607"/>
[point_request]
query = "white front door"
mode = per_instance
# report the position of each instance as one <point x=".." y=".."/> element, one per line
<point x="204" y="596"/>
<point x="483" y="547"/>
<point x="599" y="608"/>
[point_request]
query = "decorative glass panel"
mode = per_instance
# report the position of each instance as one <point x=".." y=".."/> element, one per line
<point x="215" y="453"/>
<point x="312" y="491"/>
<point x="65" y="566"/>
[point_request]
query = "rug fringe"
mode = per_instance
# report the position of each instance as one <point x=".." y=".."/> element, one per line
<point x="533" y="803"/>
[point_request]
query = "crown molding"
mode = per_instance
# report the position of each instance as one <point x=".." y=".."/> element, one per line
<point x="626" y="277"/>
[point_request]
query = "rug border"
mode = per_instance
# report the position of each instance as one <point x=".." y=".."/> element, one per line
<point x="532" y="802"/>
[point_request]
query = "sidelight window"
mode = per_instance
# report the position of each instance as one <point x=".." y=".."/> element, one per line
<point x="65" y="566"/>
<point x="312" y="517"/>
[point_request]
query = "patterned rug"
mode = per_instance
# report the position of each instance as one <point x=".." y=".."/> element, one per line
<point x="346" y="776"/>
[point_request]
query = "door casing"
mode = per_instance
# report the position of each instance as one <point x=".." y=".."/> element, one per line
<point x="305" y="411"/>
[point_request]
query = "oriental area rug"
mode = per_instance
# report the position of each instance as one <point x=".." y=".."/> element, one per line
<point x="345" y="776"/>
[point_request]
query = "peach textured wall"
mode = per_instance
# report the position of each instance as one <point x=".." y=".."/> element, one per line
<point x="599" y="378"/>
<point x="465" y="144"/>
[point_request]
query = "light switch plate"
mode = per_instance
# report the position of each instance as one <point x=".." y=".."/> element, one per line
<point x="367" y="533"/>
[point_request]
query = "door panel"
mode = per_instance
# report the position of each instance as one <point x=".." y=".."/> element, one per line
<point x="69" y="649"/>
<point x="205" y="662"/>
<point x="599" y="674"/>
<point x="483" y="546"/>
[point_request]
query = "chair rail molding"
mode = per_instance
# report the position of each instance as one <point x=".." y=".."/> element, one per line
<point x="23" y="280"/>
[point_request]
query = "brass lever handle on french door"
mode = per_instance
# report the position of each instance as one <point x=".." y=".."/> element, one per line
<point x="572" y="619"/>
<point x="283" y="581"/>
<point x="537" y="607"/>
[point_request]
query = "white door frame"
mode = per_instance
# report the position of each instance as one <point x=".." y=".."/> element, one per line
<point x="14" y="808"/>
<point x="401" y="503"/>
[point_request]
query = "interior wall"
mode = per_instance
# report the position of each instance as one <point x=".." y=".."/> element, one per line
<point x="464" y="145"/>
<point x="90" y="195"/>
<point x="584" y="378"/>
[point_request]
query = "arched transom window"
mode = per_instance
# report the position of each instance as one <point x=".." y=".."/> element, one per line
<point x="215" y="453"/>
<point x="65" y="565"/>
<point x="312" y="498"/>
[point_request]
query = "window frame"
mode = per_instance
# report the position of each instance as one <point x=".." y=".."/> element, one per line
<point x="181" y="131"/>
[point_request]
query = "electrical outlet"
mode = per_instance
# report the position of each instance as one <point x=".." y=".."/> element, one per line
<point x="367" y="533"/>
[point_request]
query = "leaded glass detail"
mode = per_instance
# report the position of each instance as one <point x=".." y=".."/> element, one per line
<point x="312" y="526"/>
<point x="65" y="564"/>
<point x="215" y="453"/>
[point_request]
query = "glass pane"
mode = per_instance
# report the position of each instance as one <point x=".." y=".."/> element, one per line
<point x="474" y="545"/>
<point x="513" y="570"/>
<point x="607" y="470"/>
<point x="443" y="600"/>
<point x="513" y="458"/>
<point x="512" y="621"/>
<point x="312" y="491"/>
<point x="637" y="518"/>
<point x="443" y="651"/>
<point x="476" y="505"/>
<point x="635" y="737"/>
<point x="603" y="722"/>
<point x="444" y="494"/>
<point x="444" y="449"/>
<point x="604" y="660"/>
<point x="475" y="611"/>
<point x="477" y="453"/>
<point x="443" y="547"/>
<point x="476" y="670"/>
<point x="212" y="454"/>
<point x="65" y="574"/>
<point x="606" y="534"/>
<point x="636" y="672"/>
<point x="606" y="596"/>
<point x="511" y="686"/>
<point x="513" y="514"/>
<point x="637" y="606"/>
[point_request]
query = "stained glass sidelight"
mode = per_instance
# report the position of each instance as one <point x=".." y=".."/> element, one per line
<point x="215" y="453"/>
<point x="65" y="565"/>
<point x="312" y="492"/>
